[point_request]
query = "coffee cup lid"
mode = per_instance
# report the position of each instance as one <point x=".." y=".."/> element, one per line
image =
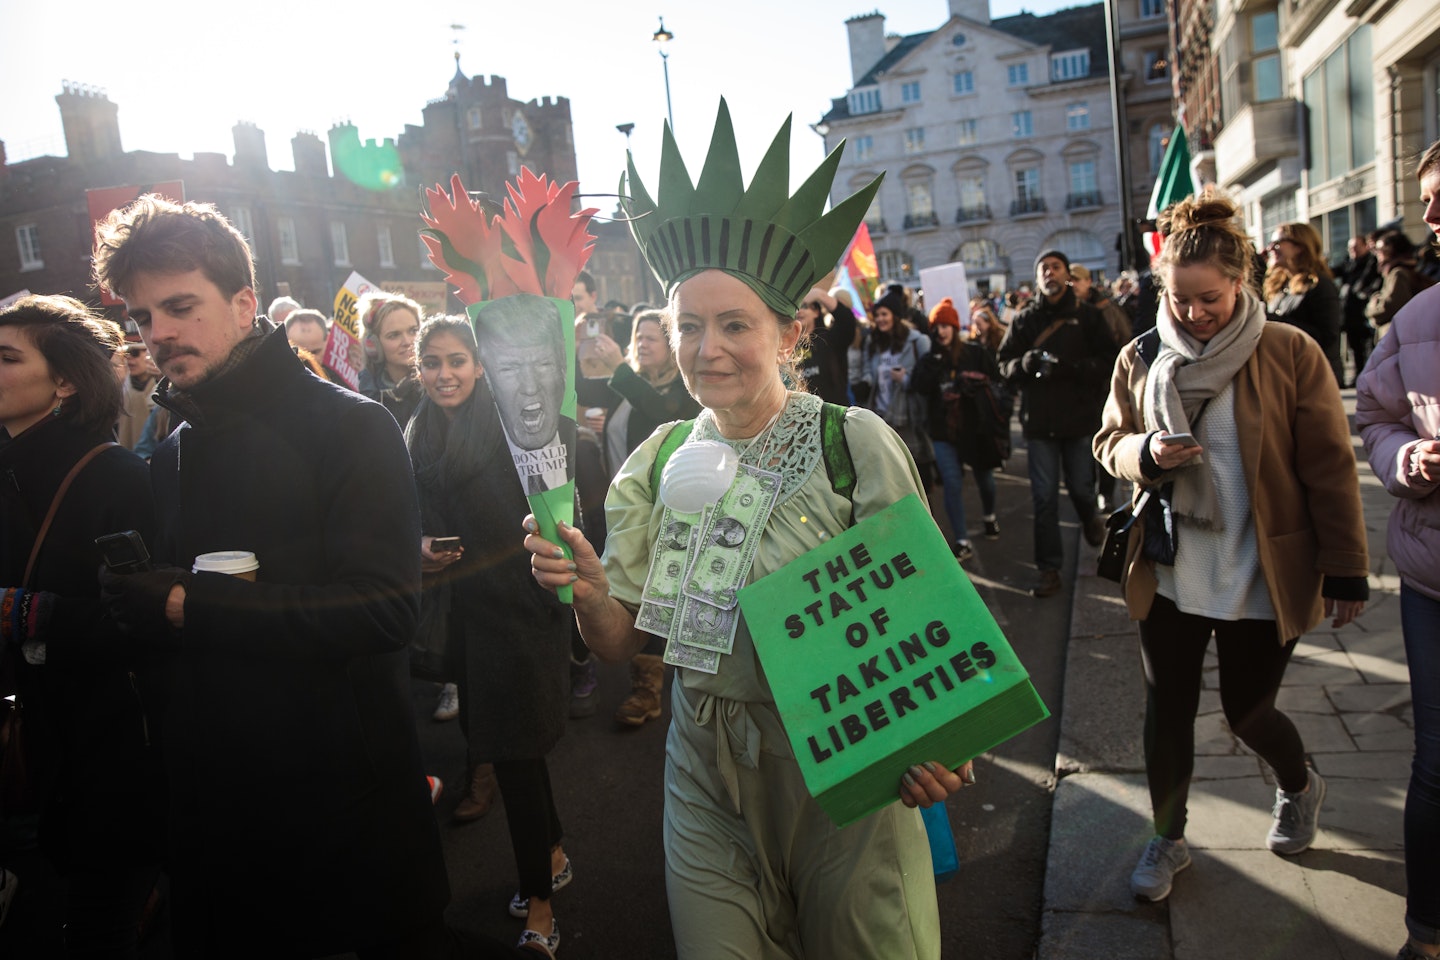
<point x="226" y="561"/>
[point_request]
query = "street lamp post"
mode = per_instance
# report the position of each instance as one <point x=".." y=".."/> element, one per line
<point x="663" y="37"/>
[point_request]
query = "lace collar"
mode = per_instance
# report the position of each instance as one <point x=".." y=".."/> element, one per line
<point x="790" y="446"/>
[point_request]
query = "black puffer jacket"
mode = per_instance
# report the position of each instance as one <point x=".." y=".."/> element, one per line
<point x="292" y="745"/>
<point x="1065" y="403"/>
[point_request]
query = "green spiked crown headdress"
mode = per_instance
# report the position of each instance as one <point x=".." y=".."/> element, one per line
<point x="778" y="245"/>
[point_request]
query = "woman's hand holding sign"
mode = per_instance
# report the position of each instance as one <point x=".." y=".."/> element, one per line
<point x="929" y="782"/>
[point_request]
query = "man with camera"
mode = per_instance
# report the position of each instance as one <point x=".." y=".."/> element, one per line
<point x="1058" y="353"/>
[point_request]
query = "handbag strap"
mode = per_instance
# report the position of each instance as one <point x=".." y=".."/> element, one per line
<point x="93" y="452"/>
<point x="1135" y="511"/>
<point x="1048" y="332"/>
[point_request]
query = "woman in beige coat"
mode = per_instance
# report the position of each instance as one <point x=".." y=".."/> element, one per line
<point x="1253" y="529"/>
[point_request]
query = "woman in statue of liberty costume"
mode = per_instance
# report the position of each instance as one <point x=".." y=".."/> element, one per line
<point x="754" y="868"/>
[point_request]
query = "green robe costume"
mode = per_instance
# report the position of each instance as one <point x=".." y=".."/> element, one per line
<point x="755" y="870"/>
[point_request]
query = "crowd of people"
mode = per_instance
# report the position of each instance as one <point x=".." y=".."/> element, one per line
<point x="1207" y="389"/>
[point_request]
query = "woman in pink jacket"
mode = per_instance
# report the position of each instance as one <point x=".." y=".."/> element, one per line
<point x="1397" y="408"/>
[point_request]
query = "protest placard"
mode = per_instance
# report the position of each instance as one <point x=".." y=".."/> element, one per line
<point x="881" y="655"/>
<point x="343" y="352"/>
<point x="513" y="266"/>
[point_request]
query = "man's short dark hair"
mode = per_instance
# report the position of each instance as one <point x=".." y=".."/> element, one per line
<point x="585" y="280"/>
<point x="155" y="235"/>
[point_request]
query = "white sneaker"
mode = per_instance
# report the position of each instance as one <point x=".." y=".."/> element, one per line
<point x="1297" y="817"/>
<point x="449" y="706"/>
<point x="1155" y="873"/>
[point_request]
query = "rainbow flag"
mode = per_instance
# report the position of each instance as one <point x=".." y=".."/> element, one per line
<point x="859" y="272"/>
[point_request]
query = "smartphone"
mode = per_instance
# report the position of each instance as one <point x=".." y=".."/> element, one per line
<point x="124" y="552"/>
<point x="592" y="327"/>
<point x="444" y="544"/>
<point x="1181" y="439"/>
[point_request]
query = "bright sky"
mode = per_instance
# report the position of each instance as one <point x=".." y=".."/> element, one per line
<point x="183" y="73"/>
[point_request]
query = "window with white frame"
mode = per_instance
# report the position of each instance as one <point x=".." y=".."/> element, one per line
<point x="915" y="140"/>
<point x="289" y="240"/>
<point x="980" y="255"/>
<point x="967" y="133"/>
<point x="1071" y="65"/>
<point x="895" y="264"/>
<point x="1083" y="184"/>
<point x="865" y="100"/>
<point x="339" y="243"/>
<point x="473" y="118"/>
<point x="972" y="197"/>
<point x="919" y="201"/>
<point x="512" y="162"/>
<point x="1265" y="56"/>
<point x="387" y="249"/>
<point x="1027" y="185"/>
<point x="1077" y="116"/>
<point x="864" y="147"/>
<point x="1021" y="124"/>
<point x="1018" y="74"/>
<point x="910" y="92"/>
<point x="1150" y="9"/>
<point x="27" y="238"/>
<point x="244" y="224"/>
<point x="964" y="82"/>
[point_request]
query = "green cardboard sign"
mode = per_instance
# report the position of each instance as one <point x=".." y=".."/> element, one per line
<point x="881" y="655"/>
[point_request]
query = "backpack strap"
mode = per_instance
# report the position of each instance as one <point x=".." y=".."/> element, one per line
<point x="836" y="450"/>
<point x="839" y="465"/>
<point x="678" y="434"/>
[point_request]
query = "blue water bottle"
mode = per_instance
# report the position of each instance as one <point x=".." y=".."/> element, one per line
<point x="942" y="842"/>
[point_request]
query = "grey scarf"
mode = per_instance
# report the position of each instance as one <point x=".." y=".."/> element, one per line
<point x="1185" y="374"/>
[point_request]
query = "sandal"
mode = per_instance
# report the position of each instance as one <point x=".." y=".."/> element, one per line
<point x="520" y="906"/>
<point x="537" y="942"/>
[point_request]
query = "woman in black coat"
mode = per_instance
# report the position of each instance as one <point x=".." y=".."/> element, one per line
<point x="958" y="379"/>
<point x="509" y="637"/>
<point x="1299" y="290"/>
<point x="93" y="774"/>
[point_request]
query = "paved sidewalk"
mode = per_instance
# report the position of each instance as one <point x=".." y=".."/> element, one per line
<point x="1346" y="690"/>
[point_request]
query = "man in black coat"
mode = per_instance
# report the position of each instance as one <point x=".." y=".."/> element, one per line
<point x="1058" y="353"/>
<point x="301" y="822"/>
<point x="1359" y="278"/>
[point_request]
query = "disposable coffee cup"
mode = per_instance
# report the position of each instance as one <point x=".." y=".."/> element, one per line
<point x="593" y="412"/>
<point x="236" y="563"/>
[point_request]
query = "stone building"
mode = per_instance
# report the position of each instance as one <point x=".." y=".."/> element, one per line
<point x="308" y="227"/>
<point x="1317" y="109"/>
<point x="995" y="136"/>
<point x="1148" y="108"/>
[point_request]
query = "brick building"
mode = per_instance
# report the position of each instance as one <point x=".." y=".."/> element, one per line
<point x="308" y="227"/>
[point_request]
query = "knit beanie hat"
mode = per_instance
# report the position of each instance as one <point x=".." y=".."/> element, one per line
<point x="946" y="314"/>
<point x="895" y="303"/>
<point x="1052" y="253"/>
